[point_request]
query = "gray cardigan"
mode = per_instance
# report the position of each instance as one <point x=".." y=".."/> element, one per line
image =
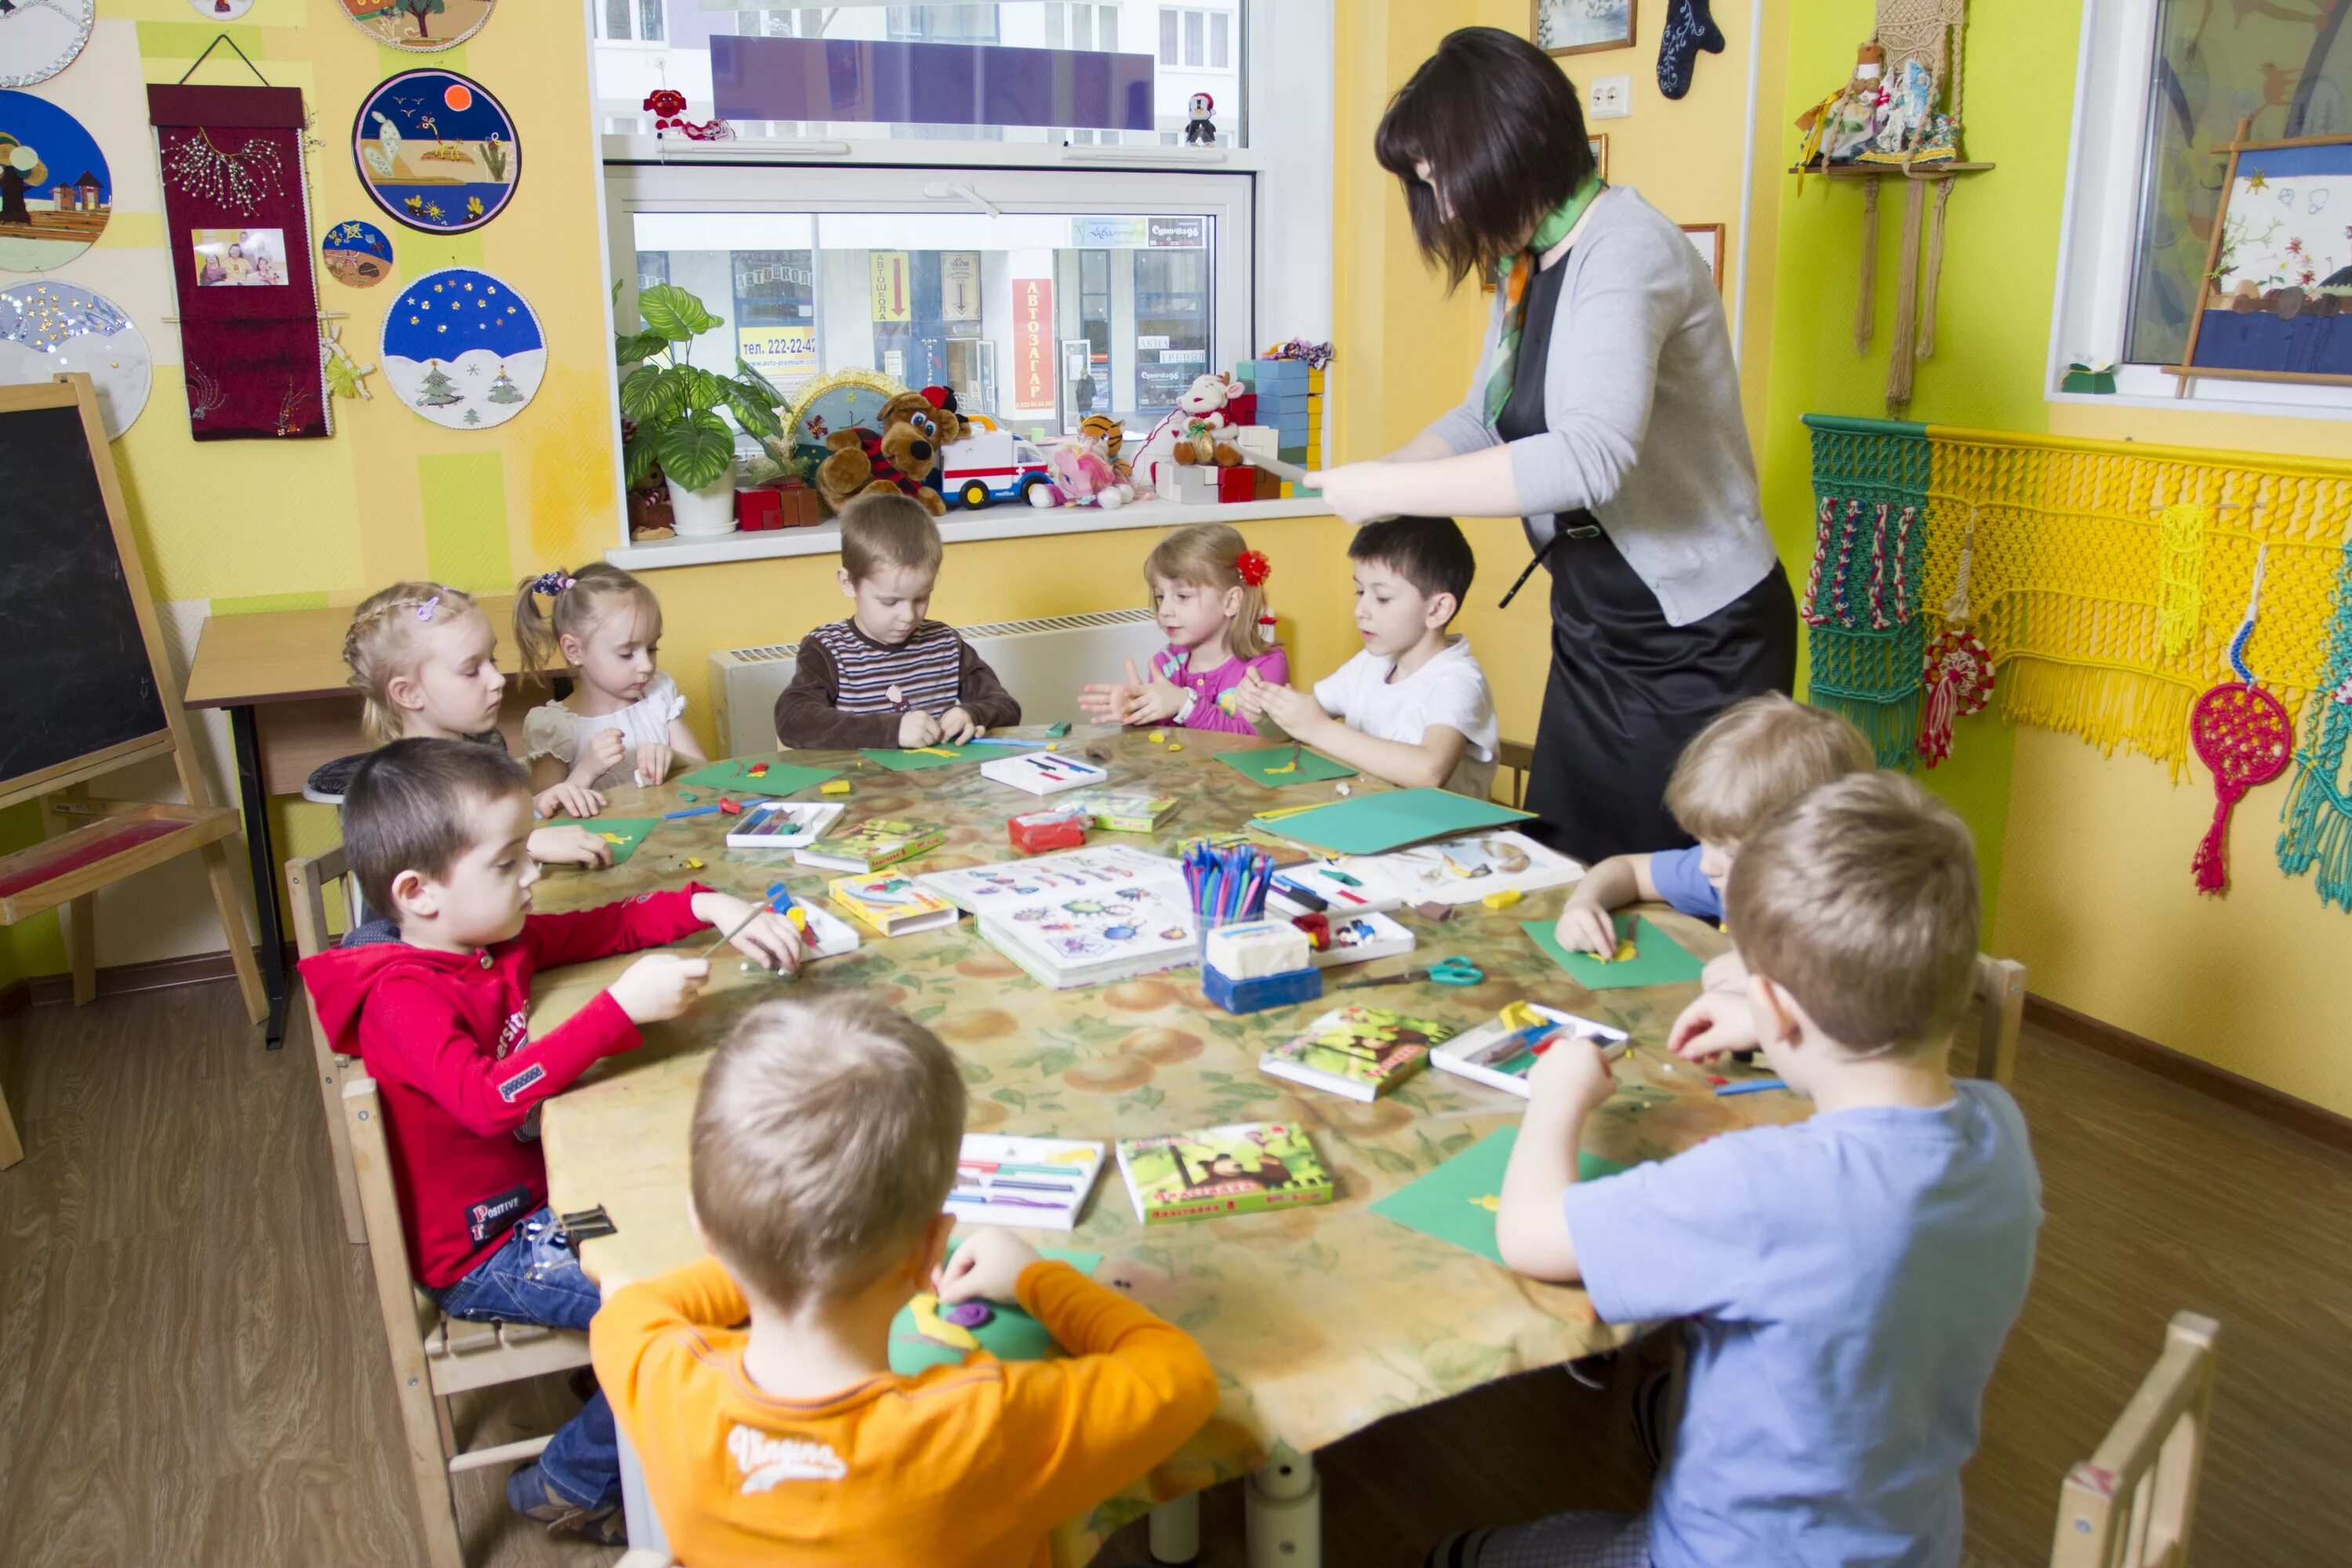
<point x="1641" y="402"/>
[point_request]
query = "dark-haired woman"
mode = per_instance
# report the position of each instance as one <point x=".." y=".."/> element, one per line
<point x="1605" y="414"/>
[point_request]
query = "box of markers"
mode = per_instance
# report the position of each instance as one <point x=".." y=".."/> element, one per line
<point x="1044" y="772"/>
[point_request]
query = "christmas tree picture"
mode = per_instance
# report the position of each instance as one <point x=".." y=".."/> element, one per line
<point x="473" y="416"/>
<point x="437" y="390"/>
<point x="462" y="349"/>
<point x="504" y="390"/>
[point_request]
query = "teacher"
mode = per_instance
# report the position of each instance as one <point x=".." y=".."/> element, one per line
<point x="1605" y="414"/>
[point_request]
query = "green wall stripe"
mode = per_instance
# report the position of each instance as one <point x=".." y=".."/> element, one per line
<point x="256" y="604"/>
<point x="465" y="497"/>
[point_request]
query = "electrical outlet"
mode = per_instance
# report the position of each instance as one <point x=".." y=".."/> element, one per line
<point x="1609" y="98"/>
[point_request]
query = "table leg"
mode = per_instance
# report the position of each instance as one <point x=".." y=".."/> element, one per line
<point x="1176" y="1529"/>
<point x="637" y="1508"/>
<point x="1282" y="1508"/>
<point x="272" y="932"/>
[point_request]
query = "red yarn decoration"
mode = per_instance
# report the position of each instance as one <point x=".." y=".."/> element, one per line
<point x="2243" y="734"/>
<point x="1957" y="675"/>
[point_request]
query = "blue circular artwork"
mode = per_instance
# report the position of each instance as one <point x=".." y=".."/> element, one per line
<point x="436" y="152"/>
<point x="55" y="192"/>
<point x="463" y="349"/>
<point x="356" y="253"/>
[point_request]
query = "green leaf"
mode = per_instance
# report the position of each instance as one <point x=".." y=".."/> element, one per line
<point x="750" y="409"/>
<point x="637" y="346"/>
<point x="750" y="375"/>
<point x="638" y="454"/>
<point x="700" y="392"/>
<point x="675" y="312"/>
<point x="645" y="397"/>
<point x="696" y="449"/>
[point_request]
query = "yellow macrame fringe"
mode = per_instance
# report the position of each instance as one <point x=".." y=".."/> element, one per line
<point x="2107" y="707"/>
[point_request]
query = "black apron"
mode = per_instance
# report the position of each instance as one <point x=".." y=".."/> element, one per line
<point x="1628" y="689"/>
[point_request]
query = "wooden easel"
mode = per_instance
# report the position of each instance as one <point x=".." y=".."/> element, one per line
<point x="119" y="838"/>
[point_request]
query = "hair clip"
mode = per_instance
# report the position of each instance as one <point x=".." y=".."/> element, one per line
<point x="551" y="583"/>
<point x="1253" y="567"/>
<point x="425" y="611"/>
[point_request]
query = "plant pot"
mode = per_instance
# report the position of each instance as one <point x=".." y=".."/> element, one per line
<point x="707" y="512"/>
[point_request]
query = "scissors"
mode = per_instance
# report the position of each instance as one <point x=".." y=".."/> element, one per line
<point x="1456" y="970"/>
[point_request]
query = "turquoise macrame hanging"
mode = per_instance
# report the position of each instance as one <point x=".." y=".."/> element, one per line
<point x="2316" y="827"/>
<point x="1862" y="595"/>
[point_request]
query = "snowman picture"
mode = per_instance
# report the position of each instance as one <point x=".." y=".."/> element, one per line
<point x="1198" y="131"/>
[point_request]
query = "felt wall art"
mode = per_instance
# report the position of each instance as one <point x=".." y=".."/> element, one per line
<point x="55" y="192"/>
<point x="436" y="152"/>
<point x="419" y="26"/>
<point x="357" y="253"/>
<point x="237" y="227"/>
<point x="48" y="328"/>
<point x="463" y="349"/>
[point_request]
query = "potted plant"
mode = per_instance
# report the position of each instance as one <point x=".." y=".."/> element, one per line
<point x="674" y="407"/>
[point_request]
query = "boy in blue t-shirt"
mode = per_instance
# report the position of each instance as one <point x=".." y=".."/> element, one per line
<point x="1849" y="1280"/>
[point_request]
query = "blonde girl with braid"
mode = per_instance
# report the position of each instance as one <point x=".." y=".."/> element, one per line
<point x="424" y="659"/>
<point x="626" y="721"/>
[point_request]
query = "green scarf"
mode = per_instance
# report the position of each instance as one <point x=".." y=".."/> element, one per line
<point x="1513" y="274"/>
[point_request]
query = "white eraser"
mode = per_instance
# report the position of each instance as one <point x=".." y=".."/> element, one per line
<point x="1257" y="949"/>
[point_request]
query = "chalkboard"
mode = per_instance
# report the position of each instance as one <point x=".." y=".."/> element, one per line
<point x="78" y="673"/>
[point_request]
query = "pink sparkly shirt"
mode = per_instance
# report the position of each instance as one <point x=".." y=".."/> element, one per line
<point x="1218" y="687"/>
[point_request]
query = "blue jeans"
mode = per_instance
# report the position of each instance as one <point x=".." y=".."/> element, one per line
<point x="533" y="1277"/>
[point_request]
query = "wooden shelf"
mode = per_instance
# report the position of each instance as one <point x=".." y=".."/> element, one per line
<point x="1942" y="170"/>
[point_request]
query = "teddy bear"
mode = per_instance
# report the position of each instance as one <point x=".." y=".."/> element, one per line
<point x="1202" y="421"/>
<point x="1106" y="428"/>
<point x="947" y="415"/>
<point x="905" y="454"/>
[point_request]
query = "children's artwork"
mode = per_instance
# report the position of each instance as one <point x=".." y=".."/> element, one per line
<point x="1236" y="1169"/>
<point x="357" y="253"/>
<point x="1274" y="766"/>
<point x="622" y="835"/>
<point x="1458" y="1202"/>
<point x="39" y="38"/>
<point x="463" y="349"/>
<point x="436" y="151"/>
<point x="239" y="258"/>
<point x="220" y="10"/>
<point x="1374" y="824"/>
<point x="758" y="775"/>
<point x="1582" y="27"/>
<point x="419" y="27"/>
<point x="2279" y="267"/>
<point x="48" y="328"/>
<point x="236" y="208"/>
<point x="56" y="192"/>
<point x="924" y="1334"/>
<point x="1656" y="959"/>
<point x="916" y="758"/>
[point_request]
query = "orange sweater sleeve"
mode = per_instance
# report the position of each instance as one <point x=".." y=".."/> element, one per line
<point x="1134" y="1387"/>
<point x="641" y="1340"/>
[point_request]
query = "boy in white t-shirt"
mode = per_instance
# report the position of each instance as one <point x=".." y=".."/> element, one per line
<point x="1412" y="708"/>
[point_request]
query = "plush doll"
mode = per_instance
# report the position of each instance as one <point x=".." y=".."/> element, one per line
<point x="901" y="457"/>
<point x="1103" y="428"/>
<point x="1200" y="432"/>
<point x="945" y="414"/>
<point x="1200" y="130"/>
<point x="1844" y="123"/>
<point x="1082" y="475"/>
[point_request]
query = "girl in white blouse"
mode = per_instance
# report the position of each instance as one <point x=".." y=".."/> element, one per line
<point x="625" y="722"/>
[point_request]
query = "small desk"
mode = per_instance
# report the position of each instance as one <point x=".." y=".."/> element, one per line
<point x="1321" y="1321"/>
<point x="282" y="673"/>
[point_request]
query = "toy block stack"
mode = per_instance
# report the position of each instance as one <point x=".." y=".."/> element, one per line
<point x="1288" y="399"/>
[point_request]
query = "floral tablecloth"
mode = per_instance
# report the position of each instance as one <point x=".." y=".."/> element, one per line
<point x="1319" y="1321"/>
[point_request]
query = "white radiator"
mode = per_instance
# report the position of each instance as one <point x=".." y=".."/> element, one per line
<point x="1042" y="662"/>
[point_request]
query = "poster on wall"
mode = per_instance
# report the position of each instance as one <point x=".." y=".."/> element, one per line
<point x="38" y="40"/>
<point x="1032" y="346"/>
<point x="55" y="190"/>
<point x="463" y="349"/>
<point x="436" y="152"/>
<point x="236" y="228"/>
<point x="49" y="329"/>
<point x="893" y="302"/>
<point x="2279" y="277"/>
<point x="787" y="355"/>
<point x="958" y="285"/>
<point x="419" y="26"/>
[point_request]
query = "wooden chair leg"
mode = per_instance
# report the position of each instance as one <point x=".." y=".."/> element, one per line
<point x="329" y="1068"/>
<point x="11" y="1149"/>
<point x="81" y="947"/>
<point x="429" y="1466"/>
<point x="240" y="942"/>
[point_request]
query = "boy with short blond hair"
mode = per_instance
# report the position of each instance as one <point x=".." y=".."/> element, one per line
<point x="1849" y="1280"/>
<point x="888" y="676"/>
<point x="824" y="1144"/>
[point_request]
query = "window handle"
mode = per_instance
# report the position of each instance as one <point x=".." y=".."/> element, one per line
<point x="951" y="190"/>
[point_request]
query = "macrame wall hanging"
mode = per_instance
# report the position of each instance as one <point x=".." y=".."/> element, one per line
<point x="236" y="224"/>
<point x="2243" y="734"/>
<point x="1861" y="594"/>
<point x="1956" y="676"/>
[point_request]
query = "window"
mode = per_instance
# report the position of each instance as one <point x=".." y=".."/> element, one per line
<point x="1217" y="58"/>
<point x="1196" y="40"/>
<point x="1168" y="27"/>
<point x="2160" y="83"/>
<point x="944" y="24"/>
<point x="630" y="21"/>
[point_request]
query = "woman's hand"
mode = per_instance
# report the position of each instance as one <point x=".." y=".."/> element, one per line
<point x="1355" y="491"/>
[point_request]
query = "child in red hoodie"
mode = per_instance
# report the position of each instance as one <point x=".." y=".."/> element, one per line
<point x="436" y="832"/>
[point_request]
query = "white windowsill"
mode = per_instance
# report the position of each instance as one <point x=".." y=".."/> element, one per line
<point x="1003" y="521"/>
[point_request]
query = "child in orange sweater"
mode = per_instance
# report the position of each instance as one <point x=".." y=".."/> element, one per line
<point x="824" y="1143"/>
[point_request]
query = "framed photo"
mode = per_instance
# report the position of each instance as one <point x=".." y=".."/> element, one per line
<point x="1707" y="239"/>
<point x="227" y="257"/>
<point x="2277" y="302"/>
<point x="1581" y="26"/>
<point x="1600" y="154"/>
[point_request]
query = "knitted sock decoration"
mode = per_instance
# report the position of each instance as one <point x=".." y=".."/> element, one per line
<point x="1689" y="29"/>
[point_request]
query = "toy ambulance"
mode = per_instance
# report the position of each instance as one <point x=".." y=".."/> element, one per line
<point x="989" y="466"/>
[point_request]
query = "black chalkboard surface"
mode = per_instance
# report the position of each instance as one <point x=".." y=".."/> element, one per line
<point x="79" y="676"/>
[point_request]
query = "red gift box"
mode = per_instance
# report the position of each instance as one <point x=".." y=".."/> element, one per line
<point x="1242" y="408"/>
<point x="799" y="508"/>
<point x="758" y="509"/>
<point x="1237" y="483"/>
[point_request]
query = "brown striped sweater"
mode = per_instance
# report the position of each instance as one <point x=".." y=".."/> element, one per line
<point x="841" y="694"/>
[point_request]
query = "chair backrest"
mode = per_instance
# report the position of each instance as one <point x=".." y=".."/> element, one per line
<point x="1518" y="759"/>
<point x="408" y="1314"/>
<point x="2001" y="1004"/>
<point x="308" y="877"/>
<point x="2131" y="1504"/>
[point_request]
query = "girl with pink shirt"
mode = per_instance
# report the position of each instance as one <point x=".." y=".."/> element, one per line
<point x="1209" y="591"/>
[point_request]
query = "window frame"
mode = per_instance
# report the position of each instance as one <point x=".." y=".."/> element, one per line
<point x="2099" y="235"/>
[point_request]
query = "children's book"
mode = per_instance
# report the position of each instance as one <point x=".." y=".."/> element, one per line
<point x="1359" y="939"/>
<point x="1236" y="1169"/>
<point x="925" y="1334"/>
<point x="1458" y="1202"/>
<point x="1359" y="887"/>
<point x="872" y="845"/>
<point x="1124" y="813"/>
<point x="758" y="775"/>
<point x="1008" y="884"/>
<point x="1654" y="959"/>
<point x="1045" y="773"/>
<point x="1360" y="1052"/>
<point x="1096" y="935"/>
<point x="1036" y="1183"/>
<point x="1501" y="1052"/>
<point x="891" y="903"/>
<point x="783" y="824"/>
<point x="1464" y="870"/>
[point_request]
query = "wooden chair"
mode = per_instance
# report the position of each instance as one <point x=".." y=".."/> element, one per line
<point x="2132" y="1503"/>
<point x="435" y="1356"/>
<point x="307" y="880"/>
<point x="2000" y="1007"/>
<point x="1519" y="759"/>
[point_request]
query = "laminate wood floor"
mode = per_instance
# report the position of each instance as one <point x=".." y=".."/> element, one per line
<point x="192" y="1370"/>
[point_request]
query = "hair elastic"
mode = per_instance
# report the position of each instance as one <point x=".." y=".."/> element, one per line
<point x="1253" y="567"/>
<point x="425" y="611"/>
<point x="551" y="583"/>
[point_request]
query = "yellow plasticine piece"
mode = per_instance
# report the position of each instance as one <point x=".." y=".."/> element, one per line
<point x="614" y="837"/>
<point x="838" y="786"/>
<point x="1522" y="1015"/>
<point x="1286" y="768"/>
<point x="1053" y="748"/>
<point x="933" y="751"/>
<point x="1173" y="747"/>
<point x="1158" y="737"/>
<point x="1502" y="901"/>
<point x="693" y="865"/>
<point x="1625" y="950"/>
<point x="1492" y="1203"/>
<point x="936" y="1329"/>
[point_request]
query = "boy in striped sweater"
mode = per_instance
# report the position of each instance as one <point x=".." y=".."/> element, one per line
<point x="886" y="676"/>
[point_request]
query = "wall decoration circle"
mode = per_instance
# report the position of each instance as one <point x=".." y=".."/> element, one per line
<point x="220" y="10"/>
<point x="357" y="253"/>
<point x="436" y="152"/>
<point x="420" y="26"/>
<point x="48" y="328"/>
<point x="38" y="40"/>
<point x="54" y="191"/>
<point x="463" y="349"/>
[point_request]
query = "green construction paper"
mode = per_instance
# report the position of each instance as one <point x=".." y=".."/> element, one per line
<point x="1658" y="959"/>
<point x="631" y="830"/>
<point x="1376" y="824"/>
<point x="1256" y="766"/>
<point x="1446" y="1202"/>
<point x="916" y="761"/>
<point x="734" y="777"/>
<point x="1012" y="1335"/>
